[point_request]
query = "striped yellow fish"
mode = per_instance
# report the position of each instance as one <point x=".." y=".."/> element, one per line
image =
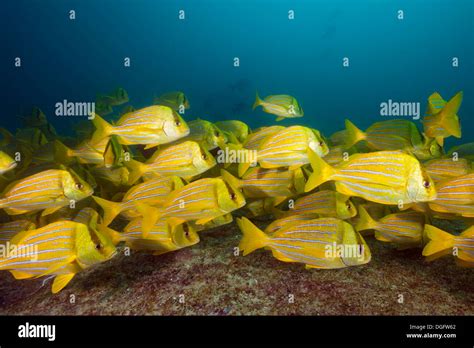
<point x="259" y="182"/>
<point x="386" y="177"/>
<point x="446" y="168"/>
<point x="206" y="133"/>
<point x="281" y="105"/>
<point x="200" y="201"/>
<point x="261" y="206"/>
<point x="325" y="203"/>
<point x="455" y="196"/>
<point x="152" y="192"/>
<point x="161" y="239"/>
<point x="86" y="152"/>
<point x="238" y="128"/>
<point x="403" y="229"/>
<point x="338" y="153"/>
<point x="87" y="216"/>
<point x="255" y="139"/>
<point x="48" y="190"/>
<point x="320" y="243"/>
<point x="150" y="126"/>
<point x="288" y="148"/>
<point x="442" y="243"/>
<point x="385" y="135"/>
<point x="441" y="120"/>
<point x="462" y="151"/>
<point x="276" y="225"/>
<point x="62" y="249"/>
<point x="186" y="159"/>
<point x="111" y="176"/>
<point x="9" y="229"/>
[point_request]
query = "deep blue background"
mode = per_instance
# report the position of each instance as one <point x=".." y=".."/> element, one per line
<point x="389" y="59"/>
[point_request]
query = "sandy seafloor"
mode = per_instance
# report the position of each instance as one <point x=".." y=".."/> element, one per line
<point x="215" y="282"/>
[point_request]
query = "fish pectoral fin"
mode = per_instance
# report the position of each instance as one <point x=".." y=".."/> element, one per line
<point x="295" y="166"/>
<point x="21" y="275"/>
<point x="61" y="281"/>
<point x="57" y="266"/>
<point x="51" y="210"/>
<point x="204" y="220"/>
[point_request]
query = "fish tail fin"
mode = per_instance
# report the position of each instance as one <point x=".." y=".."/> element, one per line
<point x="111" y="209"/>
<point x="253" y="238"/>
<point x="63" y="153"/>
<point x="137" y="169"/>
<point x="60" y="281"/>
<point x="322" y="171"/>
<point x="439" y="241"/>
<point x="299" y="180"/>
<point x="103" y="128"/>
<point x="150" y="216"/>
<point x="230" y="179"/>
<point x="354" y="134"/>
<point x="7" y="137"/>
<point x="115" y="236"/>
<point x="449" y="120"/>
<point x="257" y="102"/>
<point x="365" y="221"/>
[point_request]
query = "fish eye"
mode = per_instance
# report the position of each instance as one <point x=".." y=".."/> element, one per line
<point x="321" y="143"/>
<point x="232" y="196"/>
<point x="216" y="133"/>
<point x="98" y="246"/>
<point x="177" y="123"/>
<point x="426" y="184"/>
<point x="348" y="205"/>
<point x="79" y="186"/>
<point x="204" y="156"/>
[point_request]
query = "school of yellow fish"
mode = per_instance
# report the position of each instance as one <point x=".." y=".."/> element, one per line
<point x="153" y="181"/>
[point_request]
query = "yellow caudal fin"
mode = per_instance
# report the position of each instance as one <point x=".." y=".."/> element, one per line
<point x="111" y="209"/>
<point x="253" y="238"/>
<point x="60" y="281"/>
<point x="365" y="221"/>
<point x="136" y="168"/>
<point x="150" y="217"/>
<point x="103" y="129"/>
<point x="354" y="134"/>
<point x="449" y="119"/>
<point x="322" y="171"/>
<point x="230" y="179"/>
<point x="115" y="236"/>
<point x="440" y="242"/>
<point x="469" y="233"/>
<point x="62" y="153"/>
<point x="257" y="102"/>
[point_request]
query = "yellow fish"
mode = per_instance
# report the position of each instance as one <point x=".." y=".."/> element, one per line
<point x="62" y="249"/>
<point x="288" y="148"/>
<point x="386" y="177"/>
<point x="161" y="239"/>
<point x="455" y="196"/>
<point x="6" y="163"/>
<point x="117" y="97"/>
<point x="281" y="105"/>
<point x="465" y="151"/>
<point x="238" y="128"/>
<point x="260" y="183"/>
<point x="186" y="159"/>
<point x="261" y="206"/>
<point x="206" y="133"/>
<point x="320" y="243"/>
<point x="325" y="203"/>
<point x="86" y="152"/>
<point x="116" y="176"/>
<point x="48" y="190"/>
<point x="152" y="192"/>
<point x="446" y="168"/>
<point x="255" y="139"/>
<point x="402" y="229"/>
<point x="441" y="120"/>
<point x="150" y="126"/>
<point x="9" y="229"/>
<point x="442" y="243"/>
<point x="216" y="222"/>
<point x="202" y="200"/>
<point x="175" y="100"/>
<point x="276" y="225"/>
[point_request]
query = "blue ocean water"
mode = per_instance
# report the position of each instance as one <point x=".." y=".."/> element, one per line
<point x="389" y="58"/>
